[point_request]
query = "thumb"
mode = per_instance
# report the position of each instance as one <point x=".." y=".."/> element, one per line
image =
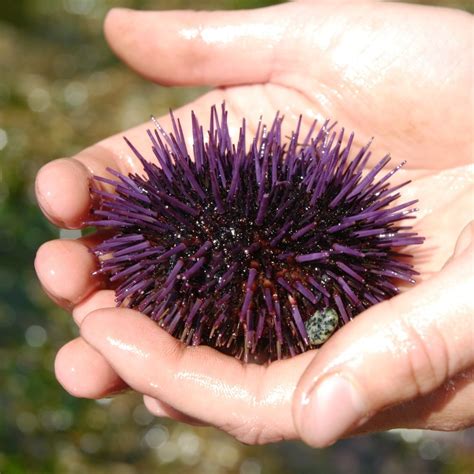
<point x="396" y="351"/>
<point x="199" y="47"/>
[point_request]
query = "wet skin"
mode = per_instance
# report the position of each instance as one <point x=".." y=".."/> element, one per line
<point x="383" y="70"/>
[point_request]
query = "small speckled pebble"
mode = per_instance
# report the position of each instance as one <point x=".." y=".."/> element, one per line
<point x="321" y="325"/>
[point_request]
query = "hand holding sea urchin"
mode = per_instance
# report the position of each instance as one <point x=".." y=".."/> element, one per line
<point x="260" y="252"/>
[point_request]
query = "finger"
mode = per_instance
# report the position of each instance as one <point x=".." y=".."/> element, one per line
<point x="397" y="351"/>
<point x="65" y="270"/>
<point x="63" y="186"/>
<point x="163" y="410"/>
<point x="249" y="401"/>
<point x="466" y="237"/>
<point x="442" y="216"/>
<point x="84" y="373"/>
<point x="201" y="47"/>
<point x="53" y="186"/>
<point x="448" y="408"/>
<point x="97" y="300"/>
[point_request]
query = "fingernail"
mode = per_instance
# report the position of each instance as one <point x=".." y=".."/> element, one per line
<point x="330" y="409"/>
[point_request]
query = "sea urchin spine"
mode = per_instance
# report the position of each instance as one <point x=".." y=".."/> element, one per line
<point x="260" y="252"/>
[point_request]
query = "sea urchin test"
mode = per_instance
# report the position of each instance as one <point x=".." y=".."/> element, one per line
<point x="260" y="248"/>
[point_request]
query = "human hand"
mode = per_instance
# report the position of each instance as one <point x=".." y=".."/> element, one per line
<point x="374" y="68"/>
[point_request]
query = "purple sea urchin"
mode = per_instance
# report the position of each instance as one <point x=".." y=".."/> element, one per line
<point x="261" y="251"/>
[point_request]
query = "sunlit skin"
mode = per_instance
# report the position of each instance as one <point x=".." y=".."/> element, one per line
<point x="399" y="73"/>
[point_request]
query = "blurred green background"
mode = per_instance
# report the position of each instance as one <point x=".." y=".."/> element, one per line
<point x="60" y="90"/>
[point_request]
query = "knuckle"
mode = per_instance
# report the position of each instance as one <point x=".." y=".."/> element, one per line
<point x="426" y="358"/>
<point x="252" y="424"/>
<point x="252" y="432"/>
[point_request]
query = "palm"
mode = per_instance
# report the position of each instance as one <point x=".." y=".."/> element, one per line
<point x="441" y="183"/>
<point x="366" y="80"/>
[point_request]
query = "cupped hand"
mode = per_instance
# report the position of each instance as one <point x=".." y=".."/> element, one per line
<point x="396" y="72"/>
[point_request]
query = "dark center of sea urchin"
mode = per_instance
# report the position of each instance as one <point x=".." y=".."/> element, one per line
<point x="259" y="251"/>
